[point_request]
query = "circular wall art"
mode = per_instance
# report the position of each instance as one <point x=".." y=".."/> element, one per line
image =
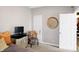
<point x="52" y="22"/>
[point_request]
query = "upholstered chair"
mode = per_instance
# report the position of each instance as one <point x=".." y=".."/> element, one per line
<point x="7" y="37"/>
<point x="32" y="38"/>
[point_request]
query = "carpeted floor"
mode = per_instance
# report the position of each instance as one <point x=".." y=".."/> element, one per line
<point x="47" y="48"/>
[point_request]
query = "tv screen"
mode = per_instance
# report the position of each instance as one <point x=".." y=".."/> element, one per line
<point x="19" y="30"/>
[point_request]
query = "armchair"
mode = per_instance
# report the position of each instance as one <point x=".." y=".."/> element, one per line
<point x="7" y="37"/>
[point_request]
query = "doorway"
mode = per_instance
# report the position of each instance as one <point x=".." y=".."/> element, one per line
<point x="67" y="36"/>
<point x="37" y="26"/>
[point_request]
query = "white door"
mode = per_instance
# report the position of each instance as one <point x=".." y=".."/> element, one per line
<point x="67" y="31"/>
<point x="37" y="26"/>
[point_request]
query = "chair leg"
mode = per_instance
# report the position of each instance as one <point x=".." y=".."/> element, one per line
<point x="33" y="41"/>
<point x="31" y="45"/>
<point x="37" y="42"/>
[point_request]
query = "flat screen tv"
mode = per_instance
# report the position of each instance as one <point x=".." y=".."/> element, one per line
<point x="19" y="30"/>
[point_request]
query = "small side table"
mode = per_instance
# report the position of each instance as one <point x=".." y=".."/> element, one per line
<point x="22" y="42"/>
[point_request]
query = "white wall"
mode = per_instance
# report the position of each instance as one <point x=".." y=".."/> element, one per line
<point x="14" y="16"/>
<point x="51" y="36"/>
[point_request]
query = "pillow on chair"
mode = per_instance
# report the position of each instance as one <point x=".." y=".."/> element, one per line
<point x="6" y="36"/>
<point x="3" y="44"/>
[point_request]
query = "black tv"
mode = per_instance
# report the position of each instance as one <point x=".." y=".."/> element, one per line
<point x="19" y="30"/>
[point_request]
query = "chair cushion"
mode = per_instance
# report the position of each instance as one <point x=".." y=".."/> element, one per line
<point x="6" y="36"/>
<point x="3" y="45"/>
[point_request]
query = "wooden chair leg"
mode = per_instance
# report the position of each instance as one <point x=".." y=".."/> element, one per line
<point x="37" y="43"/>
<point x="31" y="45"/>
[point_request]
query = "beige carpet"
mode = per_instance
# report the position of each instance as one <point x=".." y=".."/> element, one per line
<point x="47" y="48"/>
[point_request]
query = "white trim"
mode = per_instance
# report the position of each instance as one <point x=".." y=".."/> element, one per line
<point x="50" y="44"/>
<point x="34" y="7"/>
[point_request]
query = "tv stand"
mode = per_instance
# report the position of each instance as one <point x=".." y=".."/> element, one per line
<point x="17" y="36"/>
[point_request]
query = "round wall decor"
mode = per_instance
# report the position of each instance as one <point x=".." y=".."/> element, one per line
<point x="52" y="22"/>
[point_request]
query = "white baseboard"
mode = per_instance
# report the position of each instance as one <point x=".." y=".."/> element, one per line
<point x="50" y="44"/>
